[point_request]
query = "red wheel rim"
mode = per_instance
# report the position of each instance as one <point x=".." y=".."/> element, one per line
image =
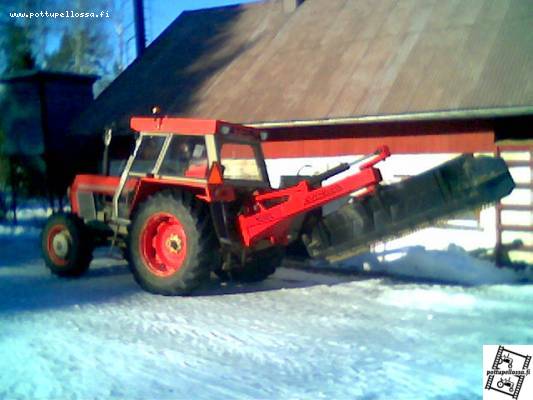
<point x="163" y="244"/>
<point x="52" y="233"/>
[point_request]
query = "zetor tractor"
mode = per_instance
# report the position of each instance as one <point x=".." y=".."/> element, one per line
<point x="194" y="198"/>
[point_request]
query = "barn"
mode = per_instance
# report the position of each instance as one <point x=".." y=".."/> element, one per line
<point x="333" y="79"/>
<point x="37" y="107"/>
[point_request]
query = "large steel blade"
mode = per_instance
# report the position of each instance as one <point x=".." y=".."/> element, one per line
<point x="458" y="185"/>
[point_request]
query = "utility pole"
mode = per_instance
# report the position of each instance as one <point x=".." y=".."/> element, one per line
<point x="140" y="34"/>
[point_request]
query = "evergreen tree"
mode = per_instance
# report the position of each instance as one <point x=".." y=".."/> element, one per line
<point x="16" y="48"/>
<point x="85" y="45"/>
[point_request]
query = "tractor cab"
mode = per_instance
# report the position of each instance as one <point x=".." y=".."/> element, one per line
<point x="186" y="150"/>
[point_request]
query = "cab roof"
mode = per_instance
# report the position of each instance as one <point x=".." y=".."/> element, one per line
<point x="189" y="126"/>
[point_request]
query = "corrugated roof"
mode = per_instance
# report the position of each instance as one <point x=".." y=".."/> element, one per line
<point x="329" y="59"/>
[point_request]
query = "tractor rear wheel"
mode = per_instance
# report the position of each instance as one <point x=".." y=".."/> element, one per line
<point x="172" y="245"/>
<point x="66" y="245"/>
<point x="260" y="266"/>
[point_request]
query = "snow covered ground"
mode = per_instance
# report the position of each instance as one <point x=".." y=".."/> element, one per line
<point x="297" y="335"/>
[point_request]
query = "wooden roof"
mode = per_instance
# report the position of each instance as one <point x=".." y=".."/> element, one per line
<point x="329" y="59"/>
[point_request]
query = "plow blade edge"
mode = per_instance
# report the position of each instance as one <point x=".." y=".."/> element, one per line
<point x="462" y="184"/>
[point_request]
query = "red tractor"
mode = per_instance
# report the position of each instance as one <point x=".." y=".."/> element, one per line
<point x="194" y="198"/>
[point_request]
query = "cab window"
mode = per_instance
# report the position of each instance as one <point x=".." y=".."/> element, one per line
<point x="240" y="162"/>
<point x="147" y="154"/>
<point x="186" y="157"/>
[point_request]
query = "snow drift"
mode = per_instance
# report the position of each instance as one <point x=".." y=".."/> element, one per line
<point x="454" y="266"/>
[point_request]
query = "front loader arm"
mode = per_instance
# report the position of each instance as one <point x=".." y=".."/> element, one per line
<point x="270" y="214"/>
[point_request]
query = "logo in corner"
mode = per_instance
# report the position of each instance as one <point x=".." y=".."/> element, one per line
<point x="507" y="372"/>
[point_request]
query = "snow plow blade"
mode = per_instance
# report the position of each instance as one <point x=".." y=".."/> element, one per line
<point x="462" y="184"/>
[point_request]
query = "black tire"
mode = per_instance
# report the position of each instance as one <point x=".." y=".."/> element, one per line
<point x="201" y="244"/>
<point x="66" y="245"/>
<point x="260" y="266"/>
<point x="297" y="250"/>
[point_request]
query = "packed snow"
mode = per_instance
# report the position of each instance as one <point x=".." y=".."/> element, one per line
<point x="454" y="266"/>
<point x="404" y="327"/>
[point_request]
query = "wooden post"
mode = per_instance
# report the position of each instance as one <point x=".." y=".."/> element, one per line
<point x="498" y="247"/>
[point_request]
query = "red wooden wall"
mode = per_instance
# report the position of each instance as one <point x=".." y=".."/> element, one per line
<point x="402" y="138"/>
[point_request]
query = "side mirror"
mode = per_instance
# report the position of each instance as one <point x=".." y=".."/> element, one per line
<point x="108" y="134"/>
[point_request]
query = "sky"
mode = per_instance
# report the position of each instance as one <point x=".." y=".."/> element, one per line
<point x="160" y="13"/>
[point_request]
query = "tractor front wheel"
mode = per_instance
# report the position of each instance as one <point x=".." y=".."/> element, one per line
<point x="172" y="246"/>
<point x="66" y="245"/>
